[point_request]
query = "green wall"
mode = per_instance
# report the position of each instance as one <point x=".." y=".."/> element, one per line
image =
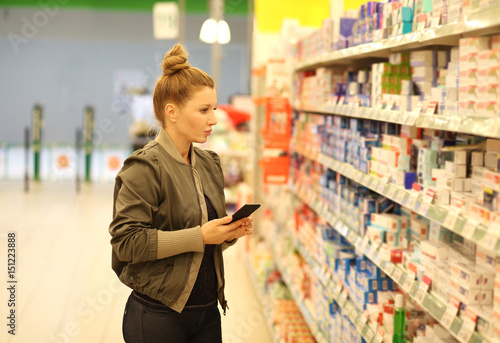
<point x="232" y="7"/>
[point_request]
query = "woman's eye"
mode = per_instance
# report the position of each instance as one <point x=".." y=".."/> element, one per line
<point x="204" y="110"/>
<point x="215" y="108"/>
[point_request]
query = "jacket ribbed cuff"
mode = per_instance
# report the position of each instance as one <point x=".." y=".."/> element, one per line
<point x="172" y="243"/>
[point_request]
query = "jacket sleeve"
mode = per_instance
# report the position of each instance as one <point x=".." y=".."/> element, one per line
<point x="136" y="199"/>
<point x="216" y="158"/>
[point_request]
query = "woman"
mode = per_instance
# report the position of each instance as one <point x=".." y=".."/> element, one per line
<point x="169" y="223"/>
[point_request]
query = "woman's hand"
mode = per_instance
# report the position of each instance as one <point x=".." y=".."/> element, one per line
<point x="219" y="230"/>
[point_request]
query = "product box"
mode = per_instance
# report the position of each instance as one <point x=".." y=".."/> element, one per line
<point x="466" y="276"/>
<point x="434" y="250"/>
<point x="473" y="44"/>
<point x="465" y="295"/>
<point x="423" y="58"/>
<point x="456" y="170"/>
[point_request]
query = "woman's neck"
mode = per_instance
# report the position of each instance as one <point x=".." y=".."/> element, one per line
<point x="182" y="145"/>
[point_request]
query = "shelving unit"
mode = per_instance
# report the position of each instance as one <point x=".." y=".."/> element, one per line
<point x="480" y="126"/>
<point x="458" y="223"/>
<point x="486" y="20"/>
<point x="482" y="22"/>
<point x="415" y="289"/>
<point x="261" y="296"/>
<point x="326" y="278"/>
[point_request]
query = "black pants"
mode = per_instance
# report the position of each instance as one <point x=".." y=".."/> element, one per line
<point x="147" y="324"/>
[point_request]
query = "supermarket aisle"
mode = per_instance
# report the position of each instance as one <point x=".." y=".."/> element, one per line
<point x="66" y="290"/>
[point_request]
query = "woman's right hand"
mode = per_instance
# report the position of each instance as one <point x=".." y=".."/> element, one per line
<point x="219" y="230"/>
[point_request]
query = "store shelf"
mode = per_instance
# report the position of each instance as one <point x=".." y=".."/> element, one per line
<point x="261" y="296"/>
<point x="306" y="313"/>
<point x="484" y="21"/>
<point x="480" y="126"/>
<point x="337" y="293"/>
<point x="415" y="289"/>
<point x="467" y="227"/>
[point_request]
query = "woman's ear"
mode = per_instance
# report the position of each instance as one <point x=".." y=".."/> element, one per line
<point x="170" y="112"/>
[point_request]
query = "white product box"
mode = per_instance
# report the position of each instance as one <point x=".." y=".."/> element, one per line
<point x="468" y="75"/>
<point x="486" y="297"/>
<point x="465" y="295"/>
<point x="423" y="73"/>
<point x="468" y="63"/>
<point x="495" y="42"/>
<point x="491" y="179"/>
<point x="466" y="276"/>
<point x="467" y="93"/>
<point x="466" y="107"/>
<point x="442" y="197"/>
<point x="493" y="145"/>
<point x="489" y="58"/>
<point x="477" y="159"/>
<point x="488" y="92"/>
<point x="453" y="184"/>
<point x="473" y="44"/>
<point x="434" y="250"/>
<point x="485" y="259"/>
<point x="477" y="170"/>
<point x="491" y="160"/>
<point x="456" y="170"/>
<point x="487" y="75"/>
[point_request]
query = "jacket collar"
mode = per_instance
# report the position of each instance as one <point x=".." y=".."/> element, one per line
<point x="168" y="144"/>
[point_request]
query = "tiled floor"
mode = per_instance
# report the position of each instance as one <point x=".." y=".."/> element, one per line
<point x="66" y="290"/>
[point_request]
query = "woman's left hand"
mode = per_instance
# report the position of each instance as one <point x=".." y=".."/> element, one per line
<point x="245" y="229"/>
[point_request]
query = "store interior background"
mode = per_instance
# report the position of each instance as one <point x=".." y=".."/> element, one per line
<point x="65" y="56"/>
<point x="73" y="58"/>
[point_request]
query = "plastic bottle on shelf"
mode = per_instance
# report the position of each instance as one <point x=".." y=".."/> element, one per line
<point x="399" y="320"/>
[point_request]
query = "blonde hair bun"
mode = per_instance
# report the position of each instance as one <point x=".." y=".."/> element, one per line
<point x="175" y="60"/>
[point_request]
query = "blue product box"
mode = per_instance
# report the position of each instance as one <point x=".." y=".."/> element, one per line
<point x="389" y="128"/>
<point x="374" y="127"/>
<point x="360" y="264"/>
<point x="386" y="284"/>
<point x="368" y="284"/>
<point x="344" y="264"/>
<point x="410" y="178"/>
<point x="383" y="204"/>
<point x="406" y="27"/>
<point x="368" y="205"/>
<point x="373" y="271"/>
<point x="407" y="14"/>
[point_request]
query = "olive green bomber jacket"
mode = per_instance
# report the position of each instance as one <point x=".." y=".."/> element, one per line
<point x="158" y="210"/>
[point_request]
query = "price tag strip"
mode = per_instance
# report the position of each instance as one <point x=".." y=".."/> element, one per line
<point x="466" y="331"/>
<point x="392" y="192"/>
<point x="450" y="313"/>
<point x="361" y="322"/>
<point x="364" y="244"/>
<point x="343" y="297"/>
<point x="337" y="290"/>
<point x="400" y="196"/>
<point x="390" y="269"/>
<point x="397" y="274"/>
<point x="469" y="228"/>
<point x="369" y="335"/>
<point x="422" y="289"/>
<point x="451" y="218"/>
<point x="408" y="283"/>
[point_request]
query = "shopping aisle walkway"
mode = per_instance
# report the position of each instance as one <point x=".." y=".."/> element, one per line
<point x="66" y="290"/>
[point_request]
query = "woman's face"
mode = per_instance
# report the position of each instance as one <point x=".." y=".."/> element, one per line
<point x="197" y="116"/>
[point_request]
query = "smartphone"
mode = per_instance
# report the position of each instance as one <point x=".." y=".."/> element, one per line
<point x="245" y="211"/>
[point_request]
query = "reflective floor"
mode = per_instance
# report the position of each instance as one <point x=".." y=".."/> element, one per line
<point x="64" y="289"/>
